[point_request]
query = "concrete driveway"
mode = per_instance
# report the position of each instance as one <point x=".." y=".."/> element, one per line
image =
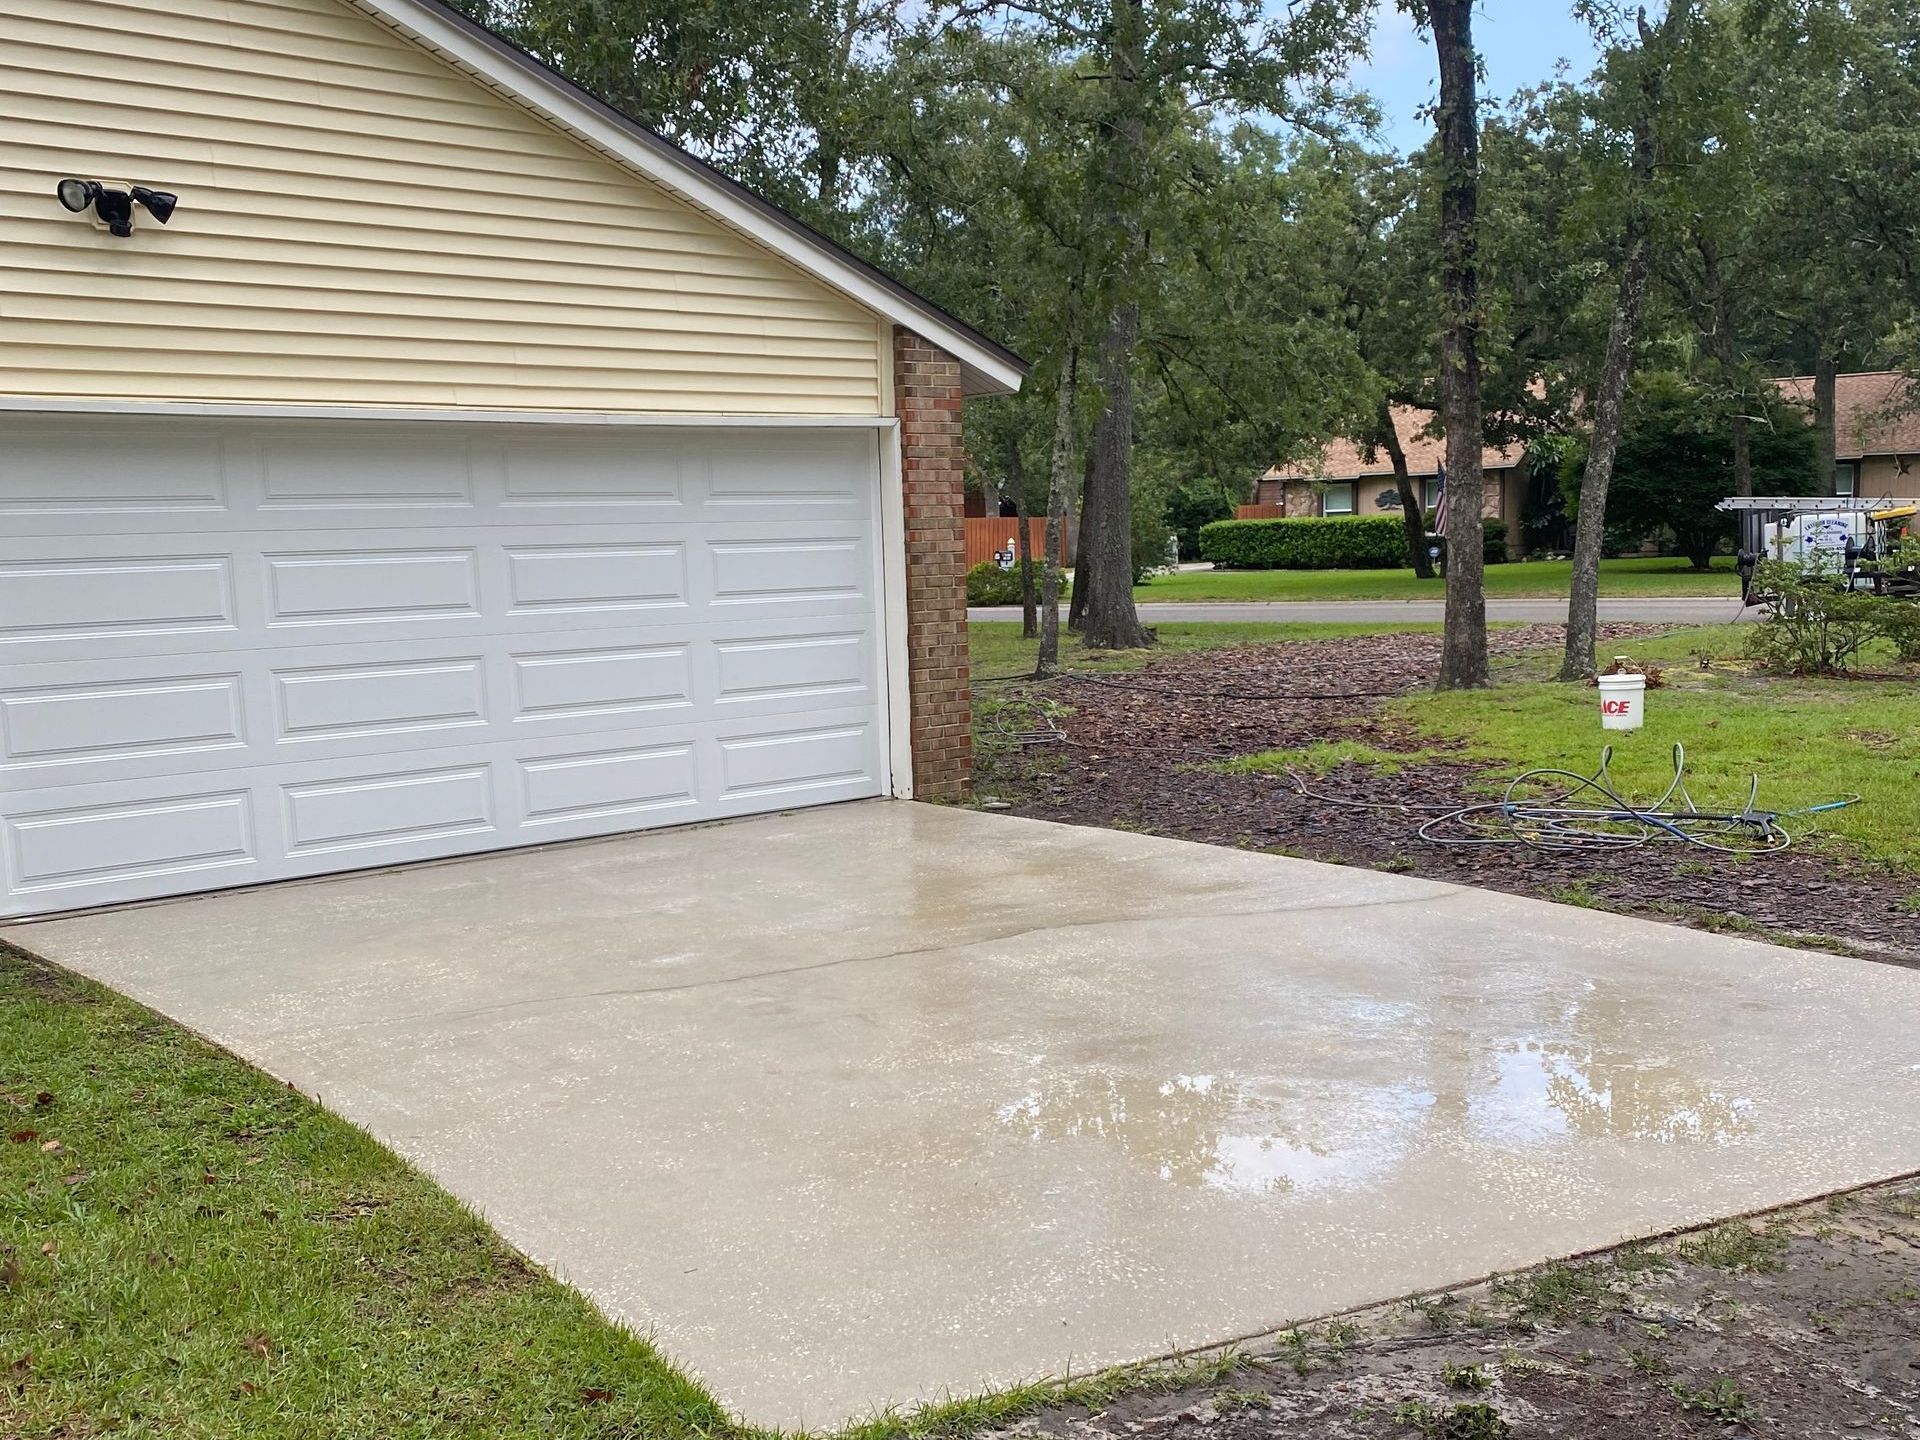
<point x="861" y="1105"/>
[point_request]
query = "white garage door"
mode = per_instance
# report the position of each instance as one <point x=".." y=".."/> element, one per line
<point x="240" y="651"/>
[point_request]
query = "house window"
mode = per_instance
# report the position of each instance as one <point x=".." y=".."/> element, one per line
<point x="1338" y="499"/>
<point x="1846" y="478"/>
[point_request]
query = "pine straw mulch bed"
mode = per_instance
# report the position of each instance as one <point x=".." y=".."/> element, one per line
<point x="1138" y="748"/>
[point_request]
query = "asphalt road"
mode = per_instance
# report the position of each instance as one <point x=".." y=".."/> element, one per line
<point x="1711" y="610"/>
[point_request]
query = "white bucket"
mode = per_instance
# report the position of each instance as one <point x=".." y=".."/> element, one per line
<point x="1623" y="702"/>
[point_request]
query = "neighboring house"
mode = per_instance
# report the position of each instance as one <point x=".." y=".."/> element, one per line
<point x="461" y="467"/>
<point x="1876" y="432"/>
<point x="1344" y="480"/>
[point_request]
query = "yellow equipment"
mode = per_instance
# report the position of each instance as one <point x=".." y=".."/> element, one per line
<point x="1887" y="530"/>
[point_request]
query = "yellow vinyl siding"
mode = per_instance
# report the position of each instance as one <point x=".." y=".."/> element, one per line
<point x="361" y="224"/>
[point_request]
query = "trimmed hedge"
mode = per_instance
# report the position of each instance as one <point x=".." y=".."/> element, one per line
<point x="1334" y="542"/>
<point x="1331" y="542"/>
<point x="988" y="584"/>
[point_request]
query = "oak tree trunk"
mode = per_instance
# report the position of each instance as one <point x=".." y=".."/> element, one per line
<point x="1082" y="562"/>
<point x="1106" y="534"/>
<point x="1059" y="479"/>
<point x="1742" y="457"/>
<point x="1826" y="417"/>
<point x="1112" y="622"/>
<point x="1463" y="656"/>
<point x="1411" y="511"/>
<point x="1583" y="601"/>
<point x="1726" y="350"/>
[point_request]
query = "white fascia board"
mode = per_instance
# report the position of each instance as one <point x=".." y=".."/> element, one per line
<point x="275" y="410"/>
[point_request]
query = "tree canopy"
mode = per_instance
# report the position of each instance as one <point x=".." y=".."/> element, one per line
<point x="1179" y="211"/>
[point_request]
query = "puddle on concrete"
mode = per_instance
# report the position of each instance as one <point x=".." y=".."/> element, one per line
<point x="1237" y="1134"/>
<point x="1249" y="1134"/>
<point x="1539" y="1092"/>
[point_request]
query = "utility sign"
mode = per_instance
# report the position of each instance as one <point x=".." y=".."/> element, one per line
<point x="1826" y="534"/>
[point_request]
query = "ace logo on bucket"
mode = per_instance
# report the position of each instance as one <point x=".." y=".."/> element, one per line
<point x="1623" y="699"/>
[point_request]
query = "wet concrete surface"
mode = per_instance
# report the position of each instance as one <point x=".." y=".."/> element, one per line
<point x="868" y="1104"/>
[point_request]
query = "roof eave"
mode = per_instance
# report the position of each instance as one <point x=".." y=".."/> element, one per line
<point x="986" y="367"/>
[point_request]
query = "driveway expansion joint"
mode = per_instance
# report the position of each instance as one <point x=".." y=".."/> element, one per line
<point x="1440" y="892"/>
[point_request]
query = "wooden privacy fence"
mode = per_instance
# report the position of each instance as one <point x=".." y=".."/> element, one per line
<point x="984" y="536"/>
<point x="1260" y="512"/>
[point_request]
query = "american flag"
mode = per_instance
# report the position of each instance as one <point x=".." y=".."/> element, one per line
<point x="1440" y="504"/>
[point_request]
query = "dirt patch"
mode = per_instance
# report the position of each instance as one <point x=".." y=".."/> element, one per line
<point x="44" y="980"/>
<point x="1134" y="753"/>
<point x="1806" y="1323"/>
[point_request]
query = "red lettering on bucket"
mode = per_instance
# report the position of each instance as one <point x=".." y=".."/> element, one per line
<point x="1614" y="707"/>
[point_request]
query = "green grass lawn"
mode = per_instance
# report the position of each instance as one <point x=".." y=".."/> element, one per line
<point x="188" y="1249"/>
<point x="1808" y="740"/>
<point x="994" y="647"/>
<point x="1532" y="579"/>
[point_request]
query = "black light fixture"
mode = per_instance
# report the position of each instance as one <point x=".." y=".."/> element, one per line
<point x="77" y="195"/>
<point x="159" y="203"/>
<point x="114" y="208"/>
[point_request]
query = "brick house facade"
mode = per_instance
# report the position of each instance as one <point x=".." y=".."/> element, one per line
<point x="927" y="398"/>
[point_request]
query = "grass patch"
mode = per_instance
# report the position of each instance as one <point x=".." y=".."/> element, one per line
<point x="1229" y="1402"/>
<point x="1561" y="1293"/>
<point x="1476" y="1421"/>
<point x="189" y="1249"/>
<point x="1737" y="1246"/>
<point x="1644" y="1362"/>
<point x="1808" y="740"/>
<point x="1638" y="1257"/>
<point x="1720" y="1399"/>
<point x="994" y="647"/>
<point x="1464" y="1377"/>
<point x="1531" y="579"/>
<point x="1577" y="892"/>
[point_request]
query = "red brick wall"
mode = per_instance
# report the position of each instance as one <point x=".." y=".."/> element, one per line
<point x="926" y="397"/>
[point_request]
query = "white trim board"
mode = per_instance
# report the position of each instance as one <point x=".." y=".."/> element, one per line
<point x="893" y="614"/>
<point x="244" y="410"/>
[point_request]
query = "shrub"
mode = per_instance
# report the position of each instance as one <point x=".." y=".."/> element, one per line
<point x="1493" y="541"/>
<point x="1192" y="504"/>
<point x="1901" y="625"/>
<point x="1342" y="542"/>
<point x="988" y="584"/>
<point x="1817" y="627"/>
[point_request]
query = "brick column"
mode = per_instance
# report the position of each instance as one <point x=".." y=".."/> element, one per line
<point x="926" y="397"/>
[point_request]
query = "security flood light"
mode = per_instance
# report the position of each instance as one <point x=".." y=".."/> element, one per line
<point x="158" y="203"/>
<point x="77" y="195"/>
<point x="113" y="207"/>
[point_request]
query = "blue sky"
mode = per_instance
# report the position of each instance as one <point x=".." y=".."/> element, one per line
<point x="1521" y="42"/>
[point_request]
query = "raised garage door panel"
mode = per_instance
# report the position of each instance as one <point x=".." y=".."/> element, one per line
<point x="241" y="651"/>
